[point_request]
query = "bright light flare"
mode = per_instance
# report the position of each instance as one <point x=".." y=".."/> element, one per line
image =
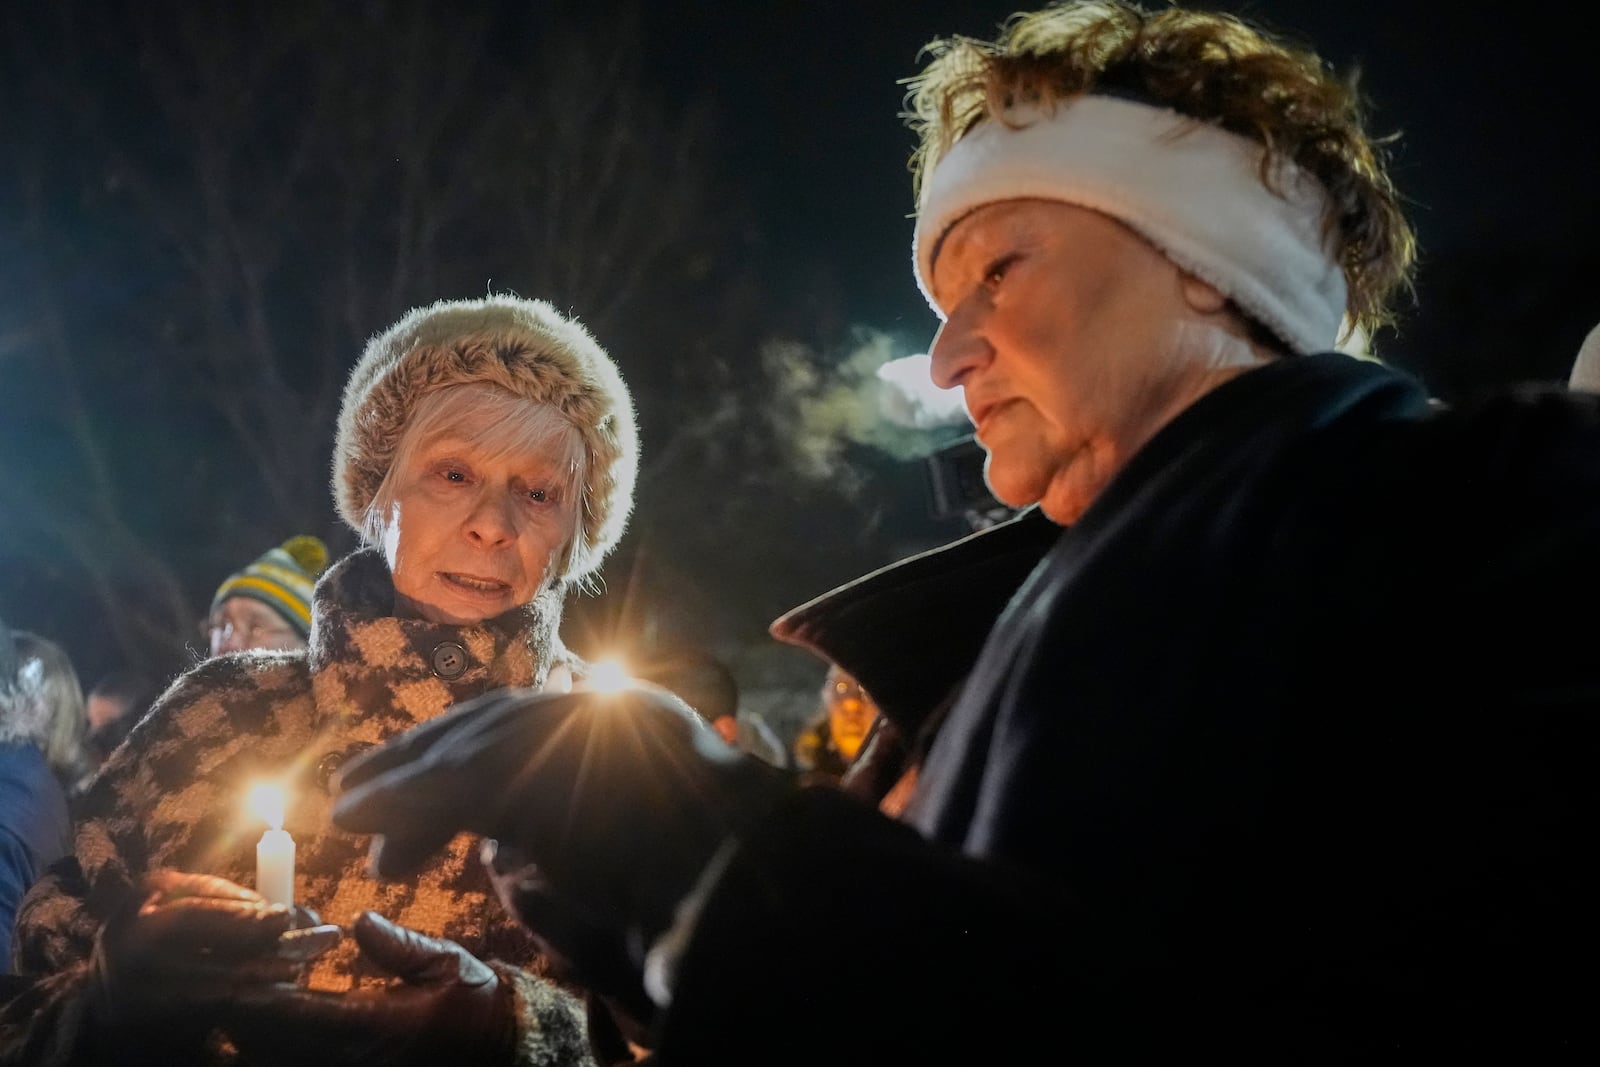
<point x="609" y="676"/>
<point x="267" y="801"/>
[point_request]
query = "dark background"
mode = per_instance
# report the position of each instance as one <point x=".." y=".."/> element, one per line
<point x="1497" y="152"/>
<point x="204" y="203"/>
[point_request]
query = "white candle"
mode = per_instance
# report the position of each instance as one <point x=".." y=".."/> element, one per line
<point x="275" y="866"/>
<point x="275" y="850"/>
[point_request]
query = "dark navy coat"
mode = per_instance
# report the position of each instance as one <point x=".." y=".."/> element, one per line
<point x="1282" y="753"/>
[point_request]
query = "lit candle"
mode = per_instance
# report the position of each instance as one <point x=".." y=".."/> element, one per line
<point x="608" y="676"/>
<point x="275" y="850"/>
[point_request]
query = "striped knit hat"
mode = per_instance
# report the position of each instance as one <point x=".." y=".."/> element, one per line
<point x="281" y="578"/>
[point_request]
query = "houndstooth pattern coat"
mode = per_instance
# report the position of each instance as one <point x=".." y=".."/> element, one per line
<point x="175" y="795"/>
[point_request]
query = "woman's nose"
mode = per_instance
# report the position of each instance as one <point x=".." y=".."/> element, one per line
<point x="958" y="347"/>
<point x="490" y="520"/>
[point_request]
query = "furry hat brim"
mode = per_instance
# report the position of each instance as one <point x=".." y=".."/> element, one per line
<point x="525" y="347"/>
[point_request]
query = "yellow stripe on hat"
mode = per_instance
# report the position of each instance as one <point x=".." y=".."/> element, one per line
<point x="291" y="577"/>
<point x="276" y="591"/>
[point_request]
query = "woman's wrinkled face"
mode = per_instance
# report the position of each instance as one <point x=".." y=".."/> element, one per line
<point x="470" y="534"/>
<point x="1059" y="326"/>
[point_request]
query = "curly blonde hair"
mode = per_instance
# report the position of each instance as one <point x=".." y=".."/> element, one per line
<point x="1209" y="66"/>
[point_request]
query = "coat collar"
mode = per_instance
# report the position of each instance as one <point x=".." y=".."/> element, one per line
<point x="910" y="631"/>
<point x="368" y="664"/>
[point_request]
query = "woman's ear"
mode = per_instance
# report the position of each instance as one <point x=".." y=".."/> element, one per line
<point x="1201" y="296"/>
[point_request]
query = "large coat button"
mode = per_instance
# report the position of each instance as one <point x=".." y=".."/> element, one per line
<point x="449" y="660"/>
<point x="332" y="763"/>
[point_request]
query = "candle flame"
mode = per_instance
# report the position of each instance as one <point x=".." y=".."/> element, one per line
<point x="608" y="676"/>
<point x="267" y="801"/>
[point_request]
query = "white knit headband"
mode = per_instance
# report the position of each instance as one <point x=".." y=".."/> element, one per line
<point x="1192" y="189"/>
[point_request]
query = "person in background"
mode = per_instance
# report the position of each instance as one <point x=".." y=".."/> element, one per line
<point x="113" y="705"/>
<point x="41" y="716"/>
<point x="267" y="605"/>
<point x="486" y="453"/>
<point x="1282" y="753"/>
<point x="828" y="745"/>
<point x="707" y="685"/>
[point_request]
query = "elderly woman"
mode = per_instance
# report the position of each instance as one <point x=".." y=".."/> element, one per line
<point x="486" y="452"/>
<point x="1280" y="750"/>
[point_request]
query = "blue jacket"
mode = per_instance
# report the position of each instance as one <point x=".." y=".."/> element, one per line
<point x="35" y="829"/>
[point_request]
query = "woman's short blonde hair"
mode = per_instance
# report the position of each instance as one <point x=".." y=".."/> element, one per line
<point x="1209" y="66"/>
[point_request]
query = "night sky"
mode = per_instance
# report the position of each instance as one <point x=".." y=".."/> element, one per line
<point x="1493" y="106"/>
<point x="1497" y="158"/>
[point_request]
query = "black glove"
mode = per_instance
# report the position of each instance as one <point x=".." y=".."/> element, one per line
<point x="577" y="948"/>
<point x="617" y="800"/>
<point x="447" y="1007"/>
<point x="190" y="942"/>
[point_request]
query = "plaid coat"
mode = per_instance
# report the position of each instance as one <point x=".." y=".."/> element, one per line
<point x="175" y="794"/>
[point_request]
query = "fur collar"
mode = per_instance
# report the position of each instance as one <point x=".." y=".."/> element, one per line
<point x="364" y="660"/>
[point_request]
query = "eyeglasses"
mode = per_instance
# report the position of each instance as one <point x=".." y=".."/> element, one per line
<point x="842" y="690"/>
<point x="252" y="633"/>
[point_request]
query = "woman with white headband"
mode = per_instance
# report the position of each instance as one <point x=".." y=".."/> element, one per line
<point x="1265" y="737"/>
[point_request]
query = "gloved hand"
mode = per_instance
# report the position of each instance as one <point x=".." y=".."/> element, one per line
<point x="617" y="800"/>
<point x="190" y="942"/>
<point x="447" y="1007"/>
<point x="576" y="946"/>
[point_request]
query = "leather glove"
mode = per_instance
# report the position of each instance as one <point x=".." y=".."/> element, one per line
<point x="617" y="801"/>
<point x="577" y="947"/>
<point x="446" y="1006"/>
<point x="189" y="942"/>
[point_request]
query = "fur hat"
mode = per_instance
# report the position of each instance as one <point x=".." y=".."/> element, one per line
<point x="281" y="578"/>
<point x="525" y="347"/>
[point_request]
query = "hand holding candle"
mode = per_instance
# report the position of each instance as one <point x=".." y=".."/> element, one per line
<point x="275" y="850"/>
